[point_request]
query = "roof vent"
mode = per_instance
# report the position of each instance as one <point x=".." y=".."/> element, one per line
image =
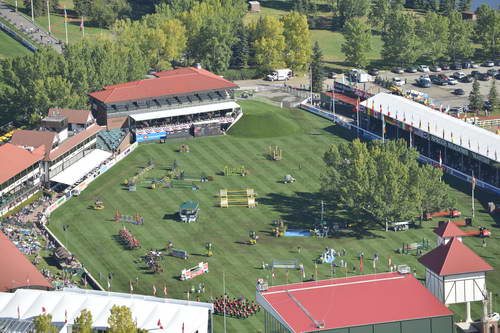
<point x="404" y="269"/>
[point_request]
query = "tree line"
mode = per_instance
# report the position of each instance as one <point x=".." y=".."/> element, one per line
<point x="434" y="37"/>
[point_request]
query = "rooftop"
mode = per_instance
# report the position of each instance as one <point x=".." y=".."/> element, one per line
<point x="439" y="124"/>
<point x="449" y="229"/>
<point x="74" y="116"/>
<point x="19" y="159"/>
<point x="167" y="83"/>
<point x="150" y="313"/>
<point x="73" y="141"/>
<point x="31" y="138"/>
<point x="353" y="301"/>
<point x="454" y="258"/>
<point x="17" y="270"/>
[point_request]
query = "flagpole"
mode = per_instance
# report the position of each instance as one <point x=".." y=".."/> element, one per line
<point x="473" y="188"/>
<point x="66" y="24"/>
<point x="48" y="16"/>
<point x="32" y="12"/>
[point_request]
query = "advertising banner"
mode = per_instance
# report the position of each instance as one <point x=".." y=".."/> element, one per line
<point x="150" y="136"/>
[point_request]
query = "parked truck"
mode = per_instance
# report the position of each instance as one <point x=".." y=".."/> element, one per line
<point x="280" y="75"/>
<point x="358" y="75"/>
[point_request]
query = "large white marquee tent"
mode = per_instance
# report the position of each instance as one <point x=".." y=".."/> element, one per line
<point x="17" y="310"/>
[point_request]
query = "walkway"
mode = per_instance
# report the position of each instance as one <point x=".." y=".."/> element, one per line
<point x="31" y="29"/>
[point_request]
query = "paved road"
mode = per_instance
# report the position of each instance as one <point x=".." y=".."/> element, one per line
<point x="28" y="27"/>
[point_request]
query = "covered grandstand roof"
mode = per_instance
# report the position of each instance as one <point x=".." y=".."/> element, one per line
<point x="174" y="82"/>
<point x="82" y="167"/>
<point x="74" y="116"/>
<point x="17" y="270"/>
<point x="18" y="159"/>
<point x="150" y="313"/>
<point x="353" y="301"/>
<point x="185" y="111"/>
<point x="439" y="124"/>
<point x="454" y="258"/>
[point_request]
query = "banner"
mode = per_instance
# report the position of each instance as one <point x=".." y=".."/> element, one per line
<point x="150" y="136"/>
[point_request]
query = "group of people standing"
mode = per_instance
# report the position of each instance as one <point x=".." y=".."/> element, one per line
<point x="235" y="307"/>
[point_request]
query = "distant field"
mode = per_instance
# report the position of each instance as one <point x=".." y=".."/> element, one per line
<point x="9" y="47"/>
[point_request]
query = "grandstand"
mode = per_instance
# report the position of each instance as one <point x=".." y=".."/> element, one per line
<point x="177" y="103"/>
<point x="110" y="140"/>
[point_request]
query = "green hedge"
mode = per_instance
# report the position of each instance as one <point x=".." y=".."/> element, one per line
<point x="242" y="74"/>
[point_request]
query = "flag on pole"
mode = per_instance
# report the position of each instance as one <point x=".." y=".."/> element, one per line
<point x="65" y="15"/>
<point x="361" y="263"/>
<point x="165" y="290"/>
<point x="18" y="313"/>
<point x="473" y="180"/>
<point x="451" y="136"/>
<point x="159" y="324"/>
<point x="44" y="310"/>
<point x="131" y="286"/>
<point x="428" y="127"/>
<point x="357" y="104"/>
<point x="109" y="285"/>
<point x="315" y="271"/>
<point x="273" y="275"/>
<point x="420" y="123"/>
<point x="440" y="159"/>
<point x="389" y="261"/>
<point x="82" y="27"/>
<point x="182" y="327"/>
<point x="65" y="316"/>
<point x="154" y="290"/>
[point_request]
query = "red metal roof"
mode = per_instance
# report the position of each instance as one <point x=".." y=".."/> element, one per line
<point x="16" y="159"/>
<point x="174" y="82"/>
<point x="454" y="258"/>
<point x="17" y="270"/>
<point x="353" y="301"/>
<point x="448" y="230"/>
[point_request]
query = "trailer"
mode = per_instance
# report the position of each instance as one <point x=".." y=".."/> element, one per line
<point x="446" y="213"/>
<point x="481" y="232"/>
<point x="200" y="269"/>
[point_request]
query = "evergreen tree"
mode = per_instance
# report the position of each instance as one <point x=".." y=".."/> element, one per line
<point x="447" y="7"/>
<point x="240" y="49"/>
<point x="493" y="96"/>
<point x="400" y="41"/>
<point x="316" y="68"/>
<point x="380" y="10"/>
<point x="476" y="100"/>
<point x="83" y="8"/>
<point x="459" y="40"/>
<point x="356" y="43"/>
<point x="464" y="5"/>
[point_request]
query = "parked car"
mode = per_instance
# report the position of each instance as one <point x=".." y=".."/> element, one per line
<point x="484" y="77"/>
<point x="467" y="79"/>
<point x="437" y="80"/>
<point x="411" y="69"/>
<point x="497" y="62"/>
<point x="397" y="70"/>
<point x="373" y="71"/>
<point x="435" y="69"/>
<point x="332" y="75"/>
<point x="442" y="76"/>
<point x="456" y="66"/>
<point x="424" y="68"/>
<point x="497" y="76"/>
<point x="488" y="63"/>
<point x="474" y="65"/>
<point x="398" y="81"/>
<point x="444" y="66"/>
<point x="423" y="81"/>
<point x="459" y="91"/>
<point x="492" y="72"/>
<point x="452" y="81"/>
<point x="466" y="64"/>
<point x="459" y="75"/>
<point x="475" y="74"/>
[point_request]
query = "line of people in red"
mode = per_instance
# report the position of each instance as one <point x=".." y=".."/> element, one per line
<point x="235" y="307"/>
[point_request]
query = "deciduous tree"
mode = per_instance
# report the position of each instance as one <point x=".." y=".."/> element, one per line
<point x="83" y="323"/>
<point x="459" y="39"/>
<point x="434" y="36"/>
<point x="269" y="43"/>
<point x="40" y="6"/>
<point x="488" y="30"/>
<point x="298" y="41"/>
<point x="400" y="41"/>
<point x="379" y="13"/>
<point x="43" y="324"/>
<point x="356" y="45"/>
<point x="120" y="320"/>
<point x="352" y="8"/>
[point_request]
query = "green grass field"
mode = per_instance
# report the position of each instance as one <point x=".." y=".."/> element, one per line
<point x="9" y="47"/>
<point x="304" y="138"/>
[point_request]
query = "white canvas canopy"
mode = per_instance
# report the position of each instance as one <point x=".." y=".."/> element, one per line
<point x="76" y="171"/>
<point x="19" y="308"/>
<point x="439" y="124"/>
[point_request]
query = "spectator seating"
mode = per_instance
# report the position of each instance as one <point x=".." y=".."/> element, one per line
<point x="110" y="140"/>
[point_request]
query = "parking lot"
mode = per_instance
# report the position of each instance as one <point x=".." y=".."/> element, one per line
<point x="444" y="94"/>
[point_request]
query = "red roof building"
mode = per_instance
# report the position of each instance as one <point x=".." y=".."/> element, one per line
<point x="17" y="270"/>
<point x="74" y="116"/>
<point x="448" y="230"/>
<point x="455" y="274"/>
<point x="454" y="258"/>
<point x="385" y="302"/>
<point x="19" y="159"/>
<point x="175" y="82"/>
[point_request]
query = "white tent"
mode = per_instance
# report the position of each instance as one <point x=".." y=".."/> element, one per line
<point x="81" y="168"/>
<point x="439" y="124"/>
<point x="175" y="316"/>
